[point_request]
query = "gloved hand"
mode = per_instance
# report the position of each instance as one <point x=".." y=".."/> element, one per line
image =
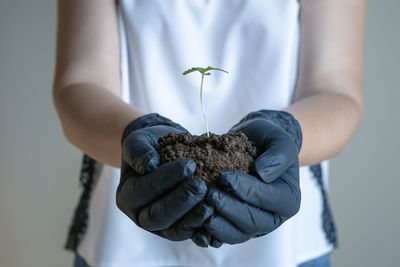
<point x="247" y="206"/>
<point x="165" y="200"/>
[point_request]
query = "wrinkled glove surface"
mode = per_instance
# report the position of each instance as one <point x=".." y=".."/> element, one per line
<point x="164" y="200"/>
<point x="249" y="206"/>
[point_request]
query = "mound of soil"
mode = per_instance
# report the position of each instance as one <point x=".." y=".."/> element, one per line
<point x="212" y="155"/>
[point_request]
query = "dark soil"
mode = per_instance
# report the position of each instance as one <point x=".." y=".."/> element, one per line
<point x="212" y="155"/>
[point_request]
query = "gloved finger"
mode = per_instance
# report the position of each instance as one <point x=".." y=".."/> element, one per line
<point x="256" y="131"/>
<point x="135" y="192"/>
<point x="281" y="197"/>
<point x="185" y="228"/>
<point x="277" y="147"/>
<point x="223" y="230"/>
<point x="201" y="238"/>
<point x="215" y="243"/>
<point x="168" y="209"/>
<point x="247" y="218"/>
<point x="279" y="153"/>
<point x="139" y="149"/>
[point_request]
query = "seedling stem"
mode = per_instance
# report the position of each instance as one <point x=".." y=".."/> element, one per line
<point x="203" y="71"/>
<point x="202" y="107"/>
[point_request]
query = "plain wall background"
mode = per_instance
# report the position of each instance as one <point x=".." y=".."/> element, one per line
<point x="39" y="169"/>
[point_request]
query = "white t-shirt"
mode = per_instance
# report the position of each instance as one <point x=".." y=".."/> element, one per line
<point x="257" y="41"/>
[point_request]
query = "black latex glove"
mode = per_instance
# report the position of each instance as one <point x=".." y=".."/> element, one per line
<point x="251" y="206"/>
<point x="165" y="200"/>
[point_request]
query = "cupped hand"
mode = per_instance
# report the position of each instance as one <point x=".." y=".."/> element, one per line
<point x="248" y="206"/>
<point x="165" y="200"/>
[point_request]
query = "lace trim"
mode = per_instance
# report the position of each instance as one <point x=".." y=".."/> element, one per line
<point x="328" y="224"/>
<point x="81" y="215"/>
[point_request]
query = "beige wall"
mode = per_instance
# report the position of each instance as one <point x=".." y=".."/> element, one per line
<point x="38" y="169"/>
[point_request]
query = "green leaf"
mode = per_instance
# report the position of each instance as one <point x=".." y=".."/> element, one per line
<point x="203" y="71"/>
<point x="191" y="70"/>
<point x="207" y="69"/>
<point x="218" y="69"/>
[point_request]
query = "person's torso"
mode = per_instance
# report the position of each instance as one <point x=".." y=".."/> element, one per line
<point x="257" y="42"/>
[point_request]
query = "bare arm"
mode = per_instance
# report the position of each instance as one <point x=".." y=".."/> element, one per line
<point x="328" y="100"/>
<point x="86" y="89"/>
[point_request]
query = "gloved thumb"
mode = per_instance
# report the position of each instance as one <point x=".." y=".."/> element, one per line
<point x="279" y="153"/>
<point x="139" y="151"/>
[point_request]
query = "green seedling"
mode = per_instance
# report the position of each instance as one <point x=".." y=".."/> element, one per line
<point x="203" y="71"/>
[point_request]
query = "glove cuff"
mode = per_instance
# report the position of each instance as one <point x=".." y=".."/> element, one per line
<point x="282" y="119"/>
<point x="148" y="120"/>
